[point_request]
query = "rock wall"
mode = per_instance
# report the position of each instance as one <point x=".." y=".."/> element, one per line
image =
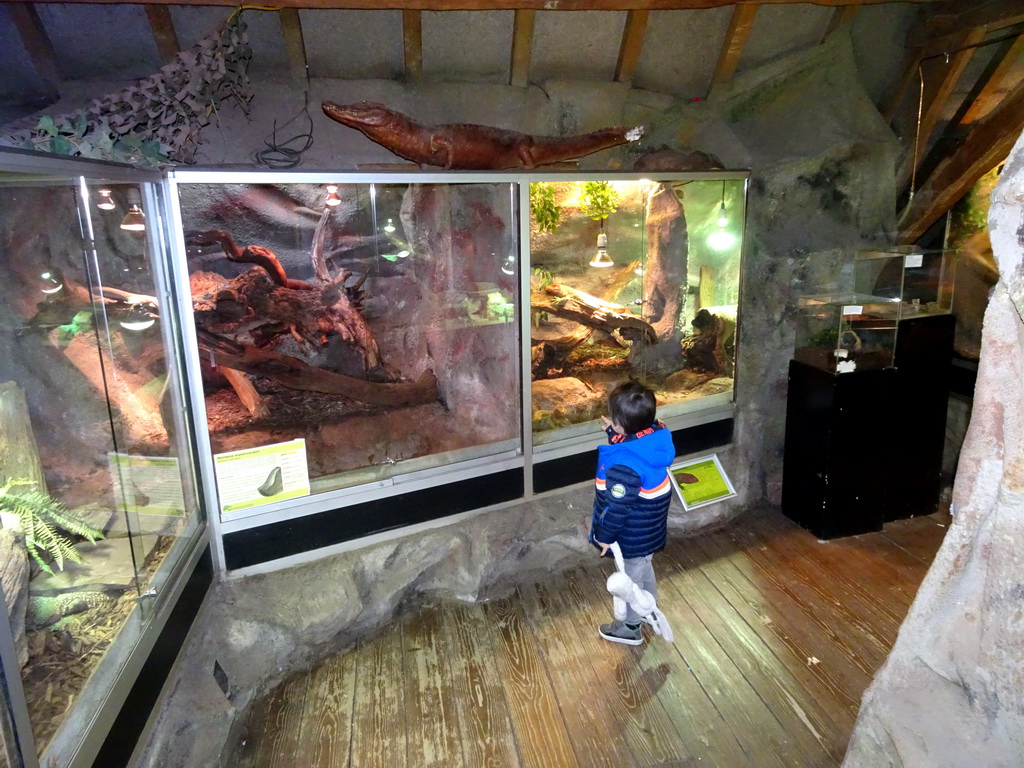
<point x="822" y="185"/>
<point x="950" y="692"/>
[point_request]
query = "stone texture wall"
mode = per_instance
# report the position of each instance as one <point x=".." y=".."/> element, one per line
<point x="822" y="185"/>
<point x="950" y="692"/>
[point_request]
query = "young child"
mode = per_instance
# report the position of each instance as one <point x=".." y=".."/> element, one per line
<point x="633" y="494"/>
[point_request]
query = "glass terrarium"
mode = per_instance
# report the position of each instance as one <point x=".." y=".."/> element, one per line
<point x="921" y="279"/>
<point x="350" y="332"/>
<point x="97" y="497"/>
<point x="846" y="332"/>
<point x="632" y="278"/>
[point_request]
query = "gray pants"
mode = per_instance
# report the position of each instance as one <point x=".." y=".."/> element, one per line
<point x="641" y="571"/>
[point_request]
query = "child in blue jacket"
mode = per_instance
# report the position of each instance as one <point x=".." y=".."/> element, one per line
<point x="633" y="494"/>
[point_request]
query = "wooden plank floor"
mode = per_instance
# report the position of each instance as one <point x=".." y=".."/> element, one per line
<point x="777" y="636"/>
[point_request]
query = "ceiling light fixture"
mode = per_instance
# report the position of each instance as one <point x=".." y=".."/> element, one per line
<point x="332" y="195"/>
<point x="135" y="219"/>
<point x="601" y="258"/>
<point x="139" y="318"/>
<point x="106" y="202"/>
<point x="50" y="283"/>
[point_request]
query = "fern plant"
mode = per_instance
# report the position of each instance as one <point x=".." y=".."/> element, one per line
<point x="41" y="516"/>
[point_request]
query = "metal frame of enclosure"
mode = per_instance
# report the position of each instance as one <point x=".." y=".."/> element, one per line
<point x="512" y="463"/>
<point x="520" y="458"/>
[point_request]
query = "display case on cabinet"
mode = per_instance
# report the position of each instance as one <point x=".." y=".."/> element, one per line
<point x="922" y="279"/>
<point x="846" y="332"/>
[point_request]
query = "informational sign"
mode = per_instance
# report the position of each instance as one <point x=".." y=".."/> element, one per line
<point x="711" y="484"/>
<point x="256" y="476"/>
<point x="147" y="485"/>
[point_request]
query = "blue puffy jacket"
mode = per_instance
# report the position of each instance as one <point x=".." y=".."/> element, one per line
<point x="634" y="491"/>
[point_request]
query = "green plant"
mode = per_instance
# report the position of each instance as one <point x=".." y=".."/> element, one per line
<point x="40" y="517"/>
<point x="542" y="205"/>
<point x="544" y="278"/>
<point x="599" y="199"/>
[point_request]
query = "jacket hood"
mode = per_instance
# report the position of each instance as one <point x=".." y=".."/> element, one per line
<point x="654" y="450"/>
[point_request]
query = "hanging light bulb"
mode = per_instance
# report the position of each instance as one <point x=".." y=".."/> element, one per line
<point x="332" y="195"/>
<point x="601" y="258"/>
<point x="389" y="227"/>
<point x="509" y="265"/>
<point x="722" y="240"/>
<point x="135" y="219"/>
<point x="50" y="282"/>
<point x="106" y="202"/>
<point x="139" y="318"/>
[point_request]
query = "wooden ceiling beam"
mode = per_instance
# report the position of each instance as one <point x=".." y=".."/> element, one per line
<point x="987" y="145"/>
<point x="522" y="48"/>
<point x="1007" y="72"/>
<point x="412" y="43"/>
<point x="946" y="22"/>
<point x="294" y="42"/>
<point x="841" y="17"/>
<point x="503" y="5"/>
<point x="729" y="56"/>
<point x="37" y="43"/>
<point x="160" y="24"/>
<point x="632" y="44"/>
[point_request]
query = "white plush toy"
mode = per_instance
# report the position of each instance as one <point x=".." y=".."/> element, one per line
<point x="626" y="591"/>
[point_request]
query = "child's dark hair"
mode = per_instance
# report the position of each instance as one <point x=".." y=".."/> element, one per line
<point x="632" y="406"/>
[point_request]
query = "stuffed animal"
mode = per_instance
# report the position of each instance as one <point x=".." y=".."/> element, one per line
<point x="626" y="591"/>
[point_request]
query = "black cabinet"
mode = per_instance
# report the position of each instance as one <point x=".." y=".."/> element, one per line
<point x="838" y="463"/>
<point x="865" y="448"/>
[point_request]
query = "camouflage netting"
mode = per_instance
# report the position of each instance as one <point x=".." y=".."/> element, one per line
<point x="159" y="118"/>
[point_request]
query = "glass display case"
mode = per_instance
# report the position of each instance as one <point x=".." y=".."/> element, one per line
<point x="846" y="332"/>
<point x="350" y="331"/>
<point x="632" y="278"/>
<point x="98" y="505"/>
<point x="921" y="279"/>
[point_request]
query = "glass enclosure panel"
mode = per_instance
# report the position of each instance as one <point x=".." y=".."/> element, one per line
<point x="376" y="323"/>
<point x="846" y="332"/>
<point x="97" y="496"/>
<point x="922" y="279"/>
<point x="632" y="279"/>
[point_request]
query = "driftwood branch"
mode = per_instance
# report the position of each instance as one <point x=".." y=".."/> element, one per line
<point x="251" y="254"/>
<point x="295" y="374"/>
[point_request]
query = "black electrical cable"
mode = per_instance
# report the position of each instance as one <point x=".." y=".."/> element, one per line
<point x="281" y="155"/>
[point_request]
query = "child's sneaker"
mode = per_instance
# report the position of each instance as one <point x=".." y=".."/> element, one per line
<point x="620" y="632"/>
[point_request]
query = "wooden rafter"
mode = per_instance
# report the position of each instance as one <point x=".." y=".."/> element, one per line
<point x="412" y="43"/>
<point x="632" y="43"/>
<point x="504" y="5"/>
<point x="841" y="17"/>
<point x="37" y="43"/>
<point x="294" y="43"/>
<point x="948" y="20"/>
<point x="162" y="27"/>
<point x="1008" y="71"/>
<point x="729" y="56"/>
<point x="522" y="48"/>
<point x="987" y="145"/>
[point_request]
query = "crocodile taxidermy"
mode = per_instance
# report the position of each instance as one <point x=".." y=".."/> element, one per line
<point x="464" y="146"/>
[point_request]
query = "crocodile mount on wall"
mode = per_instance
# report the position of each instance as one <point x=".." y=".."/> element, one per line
<point x="463" y="146"/>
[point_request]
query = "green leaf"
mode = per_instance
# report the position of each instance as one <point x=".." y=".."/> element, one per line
<point x="61" y="146"/>
<point x="81" y="124"/>
<point x="47" y="126"/>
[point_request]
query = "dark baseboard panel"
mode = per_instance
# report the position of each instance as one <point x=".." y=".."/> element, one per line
<point x="569" y="470"/>
<point x="124" y="734"/>
<point x="323" y="529"/>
